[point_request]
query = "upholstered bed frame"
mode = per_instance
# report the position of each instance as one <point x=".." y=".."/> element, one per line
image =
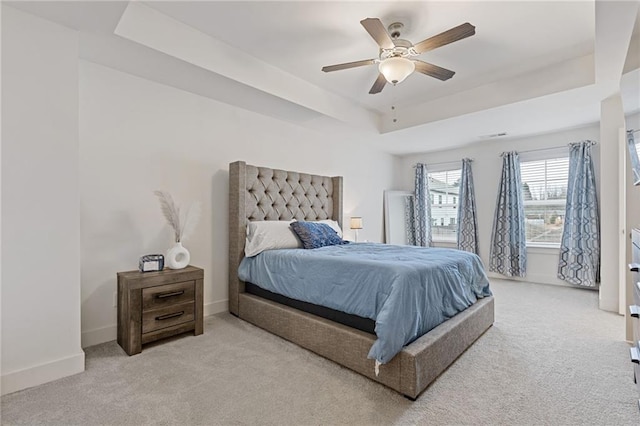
<point x="260" y="193"/>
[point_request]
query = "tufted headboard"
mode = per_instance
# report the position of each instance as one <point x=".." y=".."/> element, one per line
<point x="261" y="193"/>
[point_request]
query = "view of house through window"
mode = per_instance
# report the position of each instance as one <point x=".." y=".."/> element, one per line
<point x="544" y="187"/>
<point x="444" y="188"/>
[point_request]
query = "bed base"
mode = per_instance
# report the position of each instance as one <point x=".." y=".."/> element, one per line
<point x="409" y="372"/>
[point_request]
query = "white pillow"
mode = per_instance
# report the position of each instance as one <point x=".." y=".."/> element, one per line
<point x="269" y="234"/>
<point x="333" y="224"/>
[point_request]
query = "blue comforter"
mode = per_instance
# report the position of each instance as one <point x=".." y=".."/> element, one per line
<point x="407" y="290"/>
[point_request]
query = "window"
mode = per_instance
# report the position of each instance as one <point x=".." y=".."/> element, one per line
<point x="544" y="189"/>
<point x="446" y="185"/>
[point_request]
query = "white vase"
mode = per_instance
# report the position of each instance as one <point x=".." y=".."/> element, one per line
<point x="177" y="257"/>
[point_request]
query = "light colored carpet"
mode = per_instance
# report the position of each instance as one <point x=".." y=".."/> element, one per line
<point x="551" y="358"/>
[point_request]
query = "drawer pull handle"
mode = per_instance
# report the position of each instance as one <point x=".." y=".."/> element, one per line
<point x="169" y="294"/>
<point x="167" y="316"/>
<point x="635" y="355"/>
<point x="634" y="310"/>
<point x="634" y="267"/>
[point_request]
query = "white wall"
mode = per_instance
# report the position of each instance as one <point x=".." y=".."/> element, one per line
<point x="612" y="184"/>
<point x="40" y="202"/>
<point x="137" y="136"/>
<point x="542" y="263"/>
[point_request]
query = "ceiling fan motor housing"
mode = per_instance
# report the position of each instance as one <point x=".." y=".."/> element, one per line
<point x="403" y="48"/>
<point x="394" y="29"/>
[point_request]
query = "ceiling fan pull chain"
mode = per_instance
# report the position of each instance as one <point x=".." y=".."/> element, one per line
<point x="394" y="110"/>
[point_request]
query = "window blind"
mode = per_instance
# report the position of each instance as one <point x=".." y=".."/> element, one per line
<point x="544" y="190"/>
<point x="444" y="187"/>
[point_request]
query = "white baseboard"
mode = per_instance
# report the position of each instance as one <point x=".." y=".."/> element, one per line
<point x="530" y="278"/>
<point x="110" y="332"/>
<point x="43" y="373"/>
<point x="99" y="335"/>
<point x="216" y="307"/>
<point x="537" y="279"/>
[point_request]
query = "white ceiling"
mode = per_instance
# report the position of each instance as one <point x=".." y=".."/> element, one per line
<point x="302" y="37"/>
<point x="530" y="67"/>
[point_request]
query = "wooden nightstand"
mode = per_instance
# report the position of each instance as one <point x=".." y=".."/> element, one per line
<point x="155" y="305"/>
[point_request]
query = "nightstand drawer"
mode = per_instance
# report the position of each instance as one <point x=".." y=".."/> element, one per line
<point x="165" y="295"/>
<point x="168" y="316"/>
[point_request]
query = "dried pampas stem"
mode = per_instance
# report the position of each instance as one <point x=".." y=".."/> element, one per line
<point x="190" y="221"/>
<point x="182" y="226"/>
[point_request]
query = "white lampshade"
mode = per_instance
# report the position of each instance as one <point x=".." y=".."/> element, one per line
<point x="395" y="69"/>
<point x="356" y="223"/>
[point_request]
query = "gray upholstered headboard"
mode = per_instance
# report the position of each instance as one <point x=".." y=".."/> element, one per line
<point x="261" y="193"/>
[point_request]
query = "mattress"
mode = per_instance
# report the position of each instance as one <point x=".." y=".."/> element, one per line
<point x="354" y="321"/>
<point x="406" y="290"/>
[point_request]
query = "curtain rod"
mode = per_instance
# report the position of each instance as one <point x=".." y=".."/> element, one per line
<point x="539" y="149"/>
<point x="633" y="131"/>
<point x="548" y="149"/>
<point x="442" y="162"/>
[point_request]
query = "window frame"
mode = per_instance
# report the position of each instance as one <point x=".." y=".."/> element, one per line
<point x="442" y="205"/>
<point x="550" y="156"/>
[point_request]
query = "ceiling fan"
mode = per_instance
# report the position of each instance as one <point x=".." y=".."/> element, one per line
<point x="395" y="61"/>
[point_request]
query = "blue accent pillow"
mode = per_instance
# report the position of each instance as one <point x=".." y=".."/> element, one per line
<point x="316" y="235"/>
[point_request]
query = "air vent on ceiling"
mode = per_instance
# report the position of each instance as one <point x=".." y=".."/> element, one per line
<point x="494" y="135"/>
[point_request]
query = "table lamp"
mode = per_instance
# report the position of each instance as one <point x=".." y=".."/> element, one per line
<point x="356" y="223"/>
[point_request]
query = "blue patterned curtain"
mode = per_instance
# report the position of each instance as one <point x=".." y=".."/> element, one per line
<point x="422" y="208"/>
<point x="508" y="239"/>
<point x="467" y="220"/>
<point x="580" y="247"/>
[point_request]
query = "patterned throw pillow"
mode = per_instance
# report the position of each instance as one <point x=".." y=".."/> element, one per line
<point x="316" y="235"/>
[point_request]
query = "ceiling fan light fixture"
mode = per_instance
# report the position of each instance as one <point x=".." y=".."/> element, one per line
<point x="395" y="69"/>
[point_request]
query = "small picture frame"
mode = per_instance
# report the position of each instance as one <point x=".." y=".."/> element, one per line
<point x="151" y="263"/>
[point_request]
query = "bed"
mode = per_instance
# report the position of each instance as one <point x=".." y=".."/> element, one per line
<point x="259" y="194"/>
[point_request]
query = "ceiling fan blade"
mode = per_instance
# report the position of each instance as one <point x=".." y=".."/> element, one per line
<point x="348" y="65"/>
<point x="376" y="30"/>
<point x="454" y="34"/>
<point x="378" y="85"/>
<point x="433" y="70"/>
